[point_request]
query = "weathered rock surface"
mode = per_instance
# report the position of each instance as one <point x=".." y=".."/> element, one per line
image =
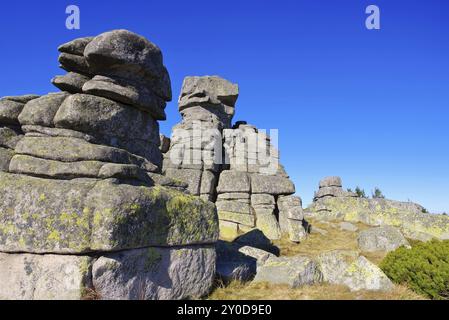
<point x="76" y="46"/>
<point x="42" y="111"/>
<point x="408" y="217"/>
<point x="56" y="216"/>
<point x="354" y="271"/>
<point x="233" y="264"/>
<point x="292" y="271"/>
<point x="347" y="226"/>
<point x="155" y="273"/>
<point x="135" y="94"/>
<point x="275" y="185"/>
<point x="140" y="274"/>
<point x="126" y="55"/>
<point x="384" y="238"/>
<point x="71" y="82"/>
<point x="5" y="158"/>
<point x="85" y="211"/>
<point x="44" y="277"/>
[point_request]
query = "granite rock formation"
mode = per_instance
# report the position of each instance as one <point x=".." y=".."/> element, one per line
<point x="333" y="203"/>
<point x="10" y="130"/>
<point x="85" y="211"/>
<point x="235" y="166"/>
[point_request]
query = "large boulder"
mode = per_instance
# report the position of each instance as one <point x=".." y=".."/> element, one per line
<point x="57" y="216"/>
<point x="140" y="274"/>
<point x="384" y="238"/>
<point x="292" y="271"/>
<point x="356" y="272"/>
<point x="232" y="181"/>
<point x="44" y="277"/>
<point x="123" y="54"/>
<point x="330" y="182"/>
<point x="207" y="90"/>
<point x="155" y="273"/>
<point x="42" y="111"/>
<point x="275" y="185"/>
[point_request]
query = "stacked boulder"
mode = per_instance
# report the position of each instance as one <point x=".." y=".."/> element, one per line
<point x="331" y="202"/>
<point x="206" y="105"/>
<point x="236" y="166"/>
<point x="10" y="131"/>
<point x="331" y="187"/>
<point x="83" y="214"/>
<point x="262" y="197"/>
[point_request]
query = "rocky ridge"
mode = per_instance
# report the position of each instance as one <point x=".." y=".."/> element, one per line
<point x="333" y="203"/>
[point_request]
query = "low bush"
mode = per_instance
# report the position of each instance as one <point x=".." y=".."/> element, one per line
<point x="424" y="268"/>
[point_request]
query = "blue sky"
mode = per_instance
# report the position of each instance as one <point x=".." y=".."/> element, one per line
<point x="370" y="106"/>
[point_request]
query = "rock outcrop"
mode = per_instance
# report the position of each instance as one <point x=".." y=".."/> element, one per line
<point x="333" y="203"/>
<point x="236" y="167"/>
<point x="85" y="211"/>
<point x="10" y="131"/>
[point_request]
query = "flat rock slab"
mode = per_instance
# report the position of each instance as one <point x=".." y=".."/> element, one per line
<point x="134" y="94"/>
<point x="71" y="82"/>
<point x="69" y="149"/>
<point x="96" y="115"/>
<point x="275" y="185"/>
<point x="232" y="181"/>
<point x="292" y="271"/>
<point x="77" y="216"/>
<point x="141" y="274"/>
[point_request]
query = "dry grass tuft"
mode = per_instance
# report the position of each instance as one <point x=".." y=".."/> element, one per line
<point x="335" y="239"/>
<point x="265" y="291"/>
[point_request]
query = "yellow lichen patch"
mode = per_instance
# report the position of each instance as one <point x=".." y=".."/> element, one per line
<point x="54" y="236"/>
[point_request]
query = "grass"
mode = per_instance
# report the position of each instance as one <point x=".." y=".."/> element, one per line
<point x="334" y="239"/>
<point x="265" y="291"/>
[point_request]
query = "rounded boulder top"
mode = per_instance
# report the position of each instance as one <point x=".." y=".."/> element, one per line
<point x="128" y="55"/>
<point x="330" y="182"/>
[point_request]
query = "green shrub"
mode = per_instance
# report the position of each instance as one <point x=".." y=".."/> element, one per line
<point x="360" y="192"/>
<point x="424" y="268"/>
<point x="377" y="194"/>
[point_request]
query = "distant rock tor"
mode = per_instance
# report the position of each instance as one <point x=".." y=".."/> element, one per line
<point x="333" y="203"/>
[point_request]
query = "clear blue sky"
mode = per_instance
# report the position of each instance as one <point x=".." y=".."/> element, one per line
<point x="370" y="106"/>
